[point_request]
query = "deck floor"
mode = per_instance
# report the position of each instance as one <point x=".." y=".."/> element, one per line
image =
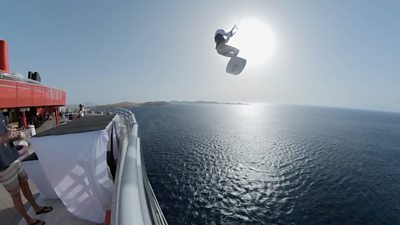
<point x="9" y="216"/>
<point x="59" y="215"/>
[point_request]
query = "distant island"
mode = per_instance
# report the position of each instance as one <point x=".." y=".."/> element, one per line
<point x="129" y="105"/>
<point x="122" y="105"/>
<point x="210" y="102"/>
<point x="153" y="103"/>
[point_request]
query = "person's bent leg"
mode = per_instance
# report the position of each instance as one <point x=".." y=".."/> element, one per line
<point x="19" y="206"/>
<point x="228" y="51"/>
<point x="9" y="179"/>
<point x="225" y="50"/>
<point x="26" y="190"/>
<point x="28" y="195"/>
<point x="235" y="51"/>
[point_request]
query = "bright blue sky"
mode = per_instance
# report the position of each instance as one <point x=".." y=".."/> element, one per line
<point x="334" y="53"/>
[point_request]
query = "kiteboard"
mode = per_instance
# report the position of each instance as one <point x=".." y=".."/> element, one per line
<point x="236" y="65"/>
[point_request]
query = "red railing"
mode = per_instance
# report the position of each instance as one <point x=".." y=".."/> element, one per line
<point x="17" y="94"/>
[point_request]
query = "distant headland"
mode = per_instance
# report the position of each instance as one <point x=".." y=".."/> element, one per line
<point x="210" y="102"/>
<point x="128" y="105"/>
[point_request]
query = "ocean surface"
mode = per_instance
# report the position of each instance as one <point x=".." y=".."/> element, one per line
<point x="272" y="164"/>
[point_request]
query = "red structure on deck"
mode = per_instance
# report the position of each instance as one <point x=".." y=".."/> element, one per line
<point x="3" y="57"/>
<point x="26" y="101"/>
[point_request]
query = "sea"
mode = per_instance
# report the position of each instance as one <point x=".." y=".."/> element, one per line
<point x="213" y="164"/>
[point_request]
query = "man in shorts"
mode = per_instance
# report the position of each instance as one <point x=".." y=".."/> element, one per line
<point x="14" y="178"/>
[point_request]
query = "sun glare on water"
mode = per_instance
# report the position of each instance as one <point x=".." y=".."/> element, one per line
<point x="255" y="41"/>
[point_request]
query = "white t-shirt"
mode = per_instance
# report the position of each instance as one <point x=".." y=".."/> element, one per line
<point x="82" y="112"/>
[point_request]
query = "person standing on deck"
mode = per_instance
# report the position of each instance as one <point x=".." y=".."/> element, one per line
<point x="81" y="112"/>
<point x="14" y="178"/>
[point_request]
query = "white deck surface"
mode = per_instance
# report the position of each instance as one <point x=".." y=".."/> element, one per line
<point x="59" y="215"/>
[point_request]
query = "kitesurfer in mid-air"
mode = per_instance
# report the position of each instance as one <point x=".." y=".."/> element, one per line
<point x="236" y="64"/>
<point x="221" y="46"/>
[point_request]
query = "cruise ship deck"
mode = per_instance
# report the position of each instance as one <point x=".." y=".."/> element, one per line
<point x="59" y="215"/>
<point x="99" y="167"/>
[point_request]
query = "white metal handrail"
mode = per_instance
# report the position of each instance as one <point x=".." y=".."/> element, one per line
<point x="134" y="201"/>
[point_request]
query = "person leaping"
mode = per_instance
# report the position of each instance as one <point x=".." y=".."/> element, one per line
<point x="221" y="46"/>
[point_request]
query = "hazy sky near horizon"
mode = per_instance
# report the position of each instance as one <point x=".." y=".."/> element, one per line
<point x="332" y="53"/>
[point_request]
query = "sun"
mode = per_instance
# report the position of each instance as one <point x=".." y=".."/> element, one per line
<point x="255" y="40"/>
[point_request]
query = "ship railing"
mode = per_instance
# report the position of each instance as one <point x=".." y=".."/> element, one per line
<point x="156" y="213"/>
<point x="134" y="201"/>
<point x="128" y="115"/>
<point x="17" y="77"/>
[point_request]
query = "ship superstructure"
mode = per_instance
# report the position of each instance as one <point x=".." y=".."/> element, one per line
<point x="26" y="101"/>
